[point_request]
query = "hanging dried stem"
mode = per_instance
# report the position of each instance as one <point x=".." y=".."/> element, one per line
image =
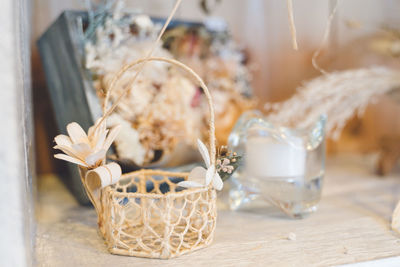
<point x="291" y="24"/>
<point x="339" y="95"/>
<point x="324" y="40"/>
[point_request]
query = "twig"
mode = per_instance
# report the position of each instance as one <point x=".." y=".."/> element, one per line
<point x="291" y="24"/>
<point x="324" y="40"/>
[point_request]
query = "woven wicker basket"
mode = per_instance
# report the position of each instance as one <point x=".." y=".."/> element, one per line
<point x="145" y="213"/>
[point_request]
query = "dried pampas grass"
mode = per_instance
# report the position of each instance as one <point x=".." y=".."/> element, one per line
<point x="339" y="95"/>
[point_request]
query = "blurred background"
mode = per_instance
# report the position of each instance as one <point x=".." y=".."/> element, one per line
<point x="261" y="28"/>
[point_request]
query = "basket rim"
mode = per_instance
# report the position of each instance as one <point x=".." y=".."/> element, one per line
<point x="187" y="191"/>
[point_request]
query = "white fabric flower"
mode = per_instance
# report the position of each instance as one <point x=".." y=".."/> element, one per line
<point x="85" y="150"/>
<point x="201" y="177"/>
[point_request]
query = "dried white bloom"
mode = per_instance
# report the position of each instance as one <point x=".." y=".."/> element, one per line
<point x="144" y="23"/>
<point x="127" y="143"/>
<point x="201" y="177"/>
<point x="87" y="150"/>
<point x="163" y="107"/>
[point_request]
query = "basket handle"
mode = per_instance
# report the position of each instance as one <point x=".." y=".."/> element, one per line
<point x="176" y="63"/>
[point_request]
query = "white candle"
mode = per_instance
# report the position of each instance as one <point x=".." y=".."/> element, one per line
<point x="267" y="158"/>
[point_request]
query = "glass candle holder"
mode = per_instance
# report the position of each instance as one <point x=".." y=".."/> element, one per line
<point x="281" y="165"/>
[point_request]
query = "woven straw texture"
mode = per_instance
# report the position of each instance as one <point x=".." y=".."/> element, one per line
<point x="145" y="213"/>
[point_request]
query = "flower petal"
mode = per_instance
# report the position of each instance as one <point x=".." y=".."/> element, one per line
<point x="82" y="150"/>
<point x="98" y="142"/>
<point x="217" y="182"/>
<point x="92" y="159"/>
<point x="111" y="136"/>
<point x="103" y="126"/>
<point x="63" y="140"/>
<point x="68" y="150"/>
<point x="96" y="129"/>
<point x="70" y="159"/>
<point x="198" y="175"/>
<point x="210" y="174"/>
<point x="92" y="129"/>
<point x="76" y="133"/>
<point x="204" y="152"/>
<point x="91" y="132"/>
<point x="189" y="184"/>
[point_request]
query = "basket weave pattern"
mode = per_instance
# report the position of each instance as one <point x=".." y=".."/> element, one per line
<point x="141" y="219"/>
<point x="146" y="214"/>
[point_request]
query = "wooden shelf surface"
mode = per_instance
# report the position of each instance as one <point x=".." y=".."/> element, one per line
<point x="352" y="225"/>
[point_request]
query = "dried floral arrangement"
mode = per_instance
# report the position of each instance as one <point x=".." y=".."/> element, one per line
<point x="212" y="53"/>
<point x="160" y="118"/>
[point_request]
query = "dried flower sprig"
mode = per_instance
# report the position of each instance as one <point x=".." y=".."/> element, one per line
<point x="339" y="95"/>
<point x="291" y="24"/>
<point x="227" y="163"/>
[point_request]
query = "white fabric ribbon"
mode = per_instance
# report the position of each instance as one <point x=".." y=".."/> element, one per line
<point x="101" y="177"/>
